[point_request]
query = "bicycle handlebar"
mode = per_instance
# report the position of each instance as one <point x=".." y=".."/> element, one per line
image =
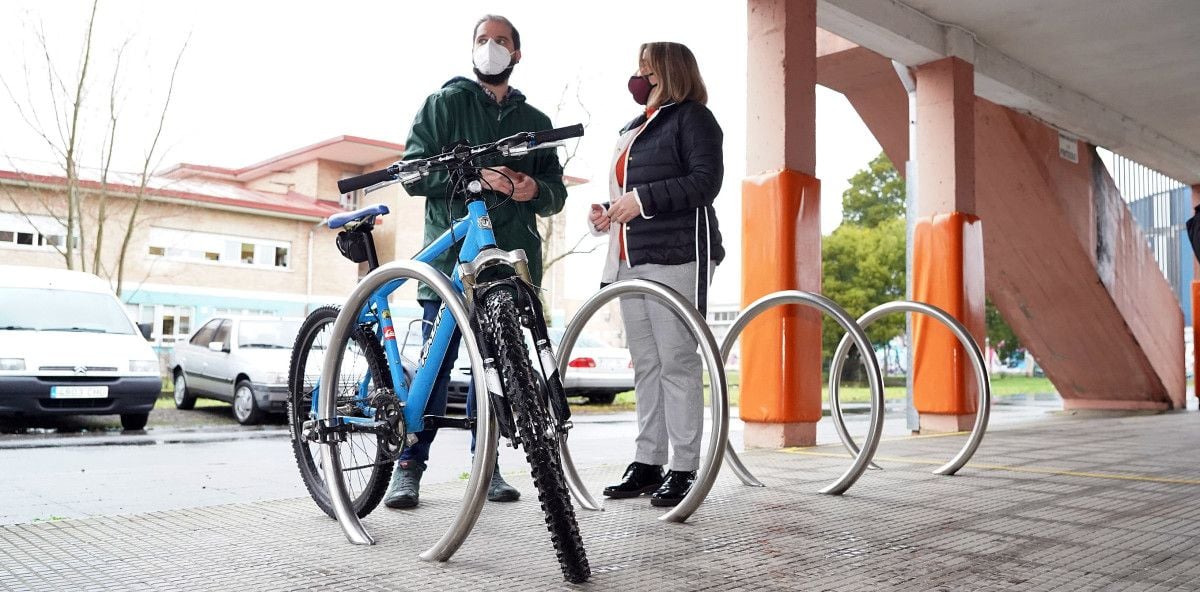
<point x="556" y="135"/>
<point x="513" y="145"/>
<point x="350" y="184"/>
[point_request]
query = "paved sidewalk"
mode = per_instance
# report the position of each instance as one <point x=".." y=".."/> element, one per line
<point x="1072" y="504"/>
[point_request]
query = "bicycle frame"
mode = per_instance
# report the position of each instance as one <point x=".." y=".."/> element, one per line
<point x="475" y="232"/>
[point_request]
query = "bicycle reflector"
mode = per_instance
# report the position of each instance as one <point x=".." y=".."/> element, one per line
<point x="582" y="363"/>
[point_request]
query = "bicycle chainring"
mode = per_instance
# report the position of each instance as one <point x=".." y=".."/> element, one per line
<point x="390" y="413"/>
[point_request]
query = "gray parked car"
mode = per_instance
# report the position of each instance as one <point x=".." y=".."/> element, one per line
<point x="241" y="360"/>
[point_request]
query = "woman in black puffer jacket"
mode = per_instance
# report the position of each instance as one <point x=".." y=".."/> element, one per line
<point x="662" y="227"/>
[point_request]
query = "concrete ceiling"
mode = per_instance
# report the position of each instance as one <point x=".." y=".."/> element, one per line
<point x="1121" y="74"/>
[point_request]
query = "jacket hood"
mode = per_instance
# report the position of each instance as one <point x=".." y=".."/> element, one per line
<point x="473" y="87"/>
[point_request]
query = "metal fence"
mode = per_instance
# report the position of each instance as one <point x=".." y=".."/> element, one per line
<point x="1160" y="205"/>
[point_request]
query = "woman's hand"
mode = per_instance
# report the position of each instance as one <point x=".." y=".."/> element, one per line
<point x="624" y="209"/>
<point x="599" y="218"/>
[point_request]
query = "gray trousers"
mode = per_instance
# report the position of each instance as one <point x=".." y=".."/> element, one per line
<point x="666" y="369"/>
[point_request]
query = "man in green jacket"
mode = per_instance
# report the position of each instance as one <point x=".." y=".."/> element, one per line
<point x="477" y="111"/>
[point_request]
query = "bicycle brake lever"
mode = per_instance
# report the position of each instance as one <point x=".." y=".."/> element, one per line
<point x="524" y="149"/>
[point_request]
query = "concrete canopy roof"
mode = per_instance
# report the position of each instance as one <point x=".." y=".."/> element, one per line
<point x="1120" y="74"/>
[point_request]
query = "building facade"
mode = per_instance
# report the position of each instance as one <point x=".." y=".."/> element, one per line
<point x="208" y="240"/>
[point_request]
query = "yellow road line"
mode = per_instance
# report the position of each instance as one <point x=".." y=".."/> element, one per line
<point x="1015" y="469"/>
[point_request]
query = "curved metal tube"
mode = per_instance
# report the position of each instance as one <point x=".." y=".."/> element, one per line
<point x="968" y="342"/>
<point x="485" y="457"/>
<point x="711" y="463"/>
<point x="874" y="377"/>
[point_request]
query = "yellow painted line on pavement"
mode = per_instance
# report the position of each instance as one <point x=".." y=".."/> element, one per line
<point x="1015" y="469"/>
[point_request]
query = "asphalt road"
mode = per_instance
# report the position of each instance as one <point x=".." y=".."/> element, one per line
<point x="79" y="471"/>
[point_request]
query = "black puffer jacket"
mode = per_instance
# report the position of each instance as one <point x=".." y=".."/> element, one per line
<point x="676" y="166"/>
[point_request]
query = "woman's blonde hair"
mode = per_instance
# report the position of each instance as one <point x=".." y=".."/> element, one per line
<point x="678" y="74"/>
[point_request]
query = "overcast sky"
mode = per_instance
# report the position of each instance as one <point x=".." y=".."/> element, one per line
<point x="262" y="78"/>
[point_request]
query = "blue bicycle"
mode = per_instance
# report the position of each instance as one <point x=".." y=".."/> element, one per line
<point x="381" y="396"/>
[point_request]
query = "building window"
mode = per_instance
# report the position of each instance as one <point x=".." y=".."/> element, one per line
<point x="170" y="323"/>
<point x="221" y="249"/>
<point x="31" y="231"/>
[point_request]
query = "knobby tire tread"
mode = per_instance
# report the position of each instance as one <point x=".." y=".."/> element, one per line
<point x="298" y="408"/>
<point x="503" y="331"/>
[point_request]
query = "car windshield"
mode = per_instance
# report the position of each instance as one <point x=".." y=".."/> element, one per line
<point x="268" y="334"/>
<point x="44" y="309"/>
<point x="585" y="340"/>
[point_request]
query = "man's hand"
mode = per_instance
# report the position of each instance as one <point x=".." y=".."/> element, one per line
<point x="599" y="218"/>
<point x="624" y="209"/>
<point x="505" y="180"/>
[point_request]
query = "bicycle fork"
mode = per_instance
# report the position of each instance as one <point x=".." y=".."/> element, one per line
<point x="529" y="308"/>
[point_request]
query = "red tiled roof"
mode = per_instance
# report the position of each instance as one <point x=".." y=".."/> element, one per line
<point x="196" y="190"/>
<point x="352" y="150"/>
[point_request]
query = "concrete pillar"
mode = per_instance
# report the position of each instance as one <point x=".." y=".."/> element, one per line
<point x="947" y="245"/>
<point x="781" y="235"/>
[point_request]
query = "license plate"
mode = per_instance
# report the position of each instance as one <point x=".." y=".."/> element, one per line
<point x="78" y="392"/>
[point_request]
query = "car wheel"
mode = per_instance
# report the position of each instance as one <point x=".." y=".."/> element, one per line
<point x="601" y="398"/>
<point x="134" y="421"/>
<point x="245" y="410"/>
<point x="183" y="399"/>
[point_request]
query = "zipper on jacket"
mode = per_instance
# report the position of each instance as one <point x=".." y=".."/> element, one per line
<point x="625" y="185"/>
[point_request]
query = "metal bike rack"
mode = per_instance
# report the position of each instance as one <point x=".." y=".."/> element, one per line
<point x="964" y="337"/>
<point x="874" y="378"/>
<point x="711" y="463"/>
<point x="485" y="454"/>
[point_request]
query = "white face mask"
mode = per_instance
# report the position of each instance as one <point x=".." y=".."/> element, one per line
<point x="491" y="58"/>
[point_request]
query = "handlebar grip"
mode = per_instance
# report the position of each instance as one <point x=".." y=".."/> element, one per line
<point x="350" y="184"/>
<point x="554" y="135"/>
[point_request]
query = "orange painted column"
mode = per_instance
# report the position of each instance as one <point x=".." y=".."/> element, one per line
<point x="947" y="245"/>
<point x="781" y="226"/>
<point x="1195" y="311"/>
<point x="1195" y="333"/>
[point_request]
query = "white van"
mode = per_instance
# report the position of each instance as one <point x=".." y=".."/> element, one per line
<point x="67" y="347"/>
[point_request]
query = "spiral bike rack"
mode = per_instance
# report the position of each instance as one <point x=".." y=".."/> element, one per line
<point x="874" y="378"/>
<point x="711" y="463"/>
<point x="964" y="337"/>
<point x="485" y="454"/>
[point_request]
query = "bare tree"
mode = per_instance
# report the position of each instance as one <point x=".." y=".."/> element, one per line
<point x="88" y="201"/>
<point x="549" y="226"/>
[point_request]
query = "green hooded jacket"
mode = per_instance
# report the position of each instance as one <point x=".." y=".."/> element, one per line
<point x="462" y="111"/>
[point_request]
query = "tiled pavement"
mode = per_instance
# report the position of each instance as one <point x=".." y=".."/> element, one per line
<point x="1076" y="504"/>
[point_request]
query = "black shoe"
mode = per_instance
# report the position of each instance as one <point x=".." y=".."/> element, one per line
<point x="676" y="486"/>
<point x="499" y="490"/>
<point x="639" y="478"/>
<point x="405" y="489"/>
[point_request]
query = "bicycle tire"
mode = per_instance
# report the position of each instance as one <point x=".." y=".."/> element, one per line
<point x="368" y="484"/>
<point x="536" y="428"/>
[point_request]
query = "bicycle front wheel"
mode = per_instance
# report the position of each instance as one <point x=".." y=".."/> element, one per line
<point x="365" y="456"/>
<point x="537" y="430"/>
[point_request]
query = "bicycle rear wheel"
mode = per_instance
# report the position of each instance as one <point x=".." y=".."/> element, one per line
<point x="367" y="457"/>
<point x="537" y="430"/>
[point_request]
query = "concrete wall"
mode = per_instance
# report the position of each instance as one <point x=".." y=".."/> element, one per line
<point x="1064" y="261"/>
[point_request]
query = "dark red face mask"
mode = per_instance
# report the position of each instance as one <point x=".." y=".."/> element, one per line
<point x="640" y="87"/>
